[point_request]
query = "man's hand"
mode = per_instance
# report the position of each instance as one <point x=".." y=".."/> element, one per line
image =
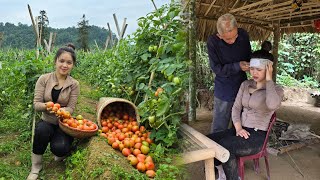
<point x="244" y="65"/>
<point x="269" y="70"/>
<point x="243" y="133"/>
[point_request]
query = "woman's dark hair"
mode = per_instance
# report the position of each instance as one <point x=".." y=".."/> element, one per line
<point x="266" y="45"/>
<point x="264" y="51"/>
<point x="70" y="48"/>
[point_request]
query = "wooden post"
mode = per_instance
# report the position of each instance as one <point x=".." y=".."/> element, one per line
<point x="53" y="41"/>
<point x="1" y="38"/>
<point x="110" y="34"/>
<point x="107" y="43"/>
<point x="192" y="57"/>
<point x="95" y="42"/>
<point x="123" y="29"/>
<point x="35" y="29"/>
<point x="50" y="41"/>
<point x="276" y="39"/>
<point x="117" y="25"/>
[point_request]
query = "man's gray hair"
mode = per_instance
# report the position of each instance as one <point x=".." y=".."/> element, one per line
<point x="226" y="23"/>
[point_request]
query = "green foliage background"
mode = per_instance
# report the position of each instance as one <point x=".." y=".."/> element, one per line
<point x="21" y="36"/>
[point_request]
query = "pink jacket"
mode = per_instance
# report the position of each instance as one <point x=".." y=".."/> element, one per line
<point x="255" y="110"/>
<point x="67" y="98"/>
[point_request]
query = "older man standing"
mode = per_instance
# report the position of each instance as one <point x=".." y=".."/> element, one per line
<point x="229" y="53"/>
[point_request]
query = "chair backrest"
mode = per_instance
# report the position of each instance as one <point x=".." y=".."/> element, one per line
<point x="272" y="121"/>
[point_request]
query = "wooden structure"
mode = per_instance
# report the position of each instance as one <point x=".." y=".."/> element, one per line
<point x="120" y="32"/>
<point x="260" y="18"/>
<point x="198" y="147"/>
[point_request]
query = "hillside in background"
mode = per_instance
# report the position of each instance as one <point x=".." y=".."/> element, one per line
<point x="21" y="36"/>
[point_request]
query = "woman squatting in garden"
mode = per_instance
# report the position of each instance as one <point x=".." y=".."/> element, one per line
<point x="57" y="87"/>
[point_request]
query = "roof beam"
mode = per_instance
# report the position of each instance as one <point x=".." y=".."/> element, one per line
<point x="286" y="9"/>
<point x="208" y="10"/>
<point x="295" y="26"/>
<point x="206" y="4"/>
<point x="296" y="14"/>
<point x="239" y="21"/>
<point x="250" y="5"/>
<point x="311" y="18"/>
<point x="267" y="7"/>
<point x="252" y="19"/>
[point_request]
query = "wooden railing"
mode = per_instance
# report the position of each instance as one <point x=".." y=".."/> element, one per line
<point x="198" y="147"/>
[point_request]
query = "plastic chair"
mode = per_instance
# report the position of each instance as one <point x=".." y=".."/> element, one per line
<point x="256" y="157"/>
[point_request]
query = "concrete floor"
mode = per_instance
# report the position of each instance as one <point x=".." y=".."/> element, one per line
<point x="303" y="163"/>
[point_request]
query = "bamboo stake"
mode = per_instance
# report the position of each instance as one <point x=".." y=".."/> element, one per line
<point x="117" y="25"/>
<point x="154" y="5"/>
<point x="37" y="40"/>
<point x="95" y="42"/>
<point x="107" y="43"/>
<point x="40" y="34"/>
<point x="50" y="42"/>
<point x="46" y="45"/>
<point x="123" y="29"/>
<point x="35" y="29"/>
<point x="32" y="20"/>
<point x="110" y="34"/>
<point x="33" y="126"/>
<point x="53" y="41"/>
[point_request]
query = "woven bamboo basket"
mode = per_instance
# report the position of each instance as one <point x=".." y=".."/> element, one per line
<point x="76" y="132"/>
<point x="127" y="105"/>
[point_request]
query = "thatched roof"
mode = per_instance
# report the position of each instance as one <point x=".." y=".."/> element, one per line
<point x="258" y="17"/>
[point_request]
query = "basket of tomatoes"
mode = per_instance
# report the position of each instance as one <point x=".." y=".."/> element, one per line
<point x="77" y="127"/>
<point x="120" y="109"/>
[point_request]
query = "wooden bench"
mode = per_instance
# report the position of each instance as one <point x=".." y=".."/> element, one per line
<point x="198" y="147"/>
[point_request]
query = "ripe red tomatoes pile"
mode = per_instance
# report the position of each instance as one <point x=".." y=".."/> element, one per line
<point x="78" y="123"/>
<point x="123" y="133"/>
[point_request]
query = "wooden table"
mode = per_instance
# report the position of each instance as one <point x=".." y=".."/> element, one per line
<point x="198" y="147"/>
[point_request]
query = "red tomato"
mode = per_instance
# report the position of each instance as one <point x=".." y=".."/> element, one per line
<point x="49" y="104"/>
<point x="141" y="167"/>
<point x="126" y="152"/>
<point x="149" y="165"/>
<point x="151" y="173"/>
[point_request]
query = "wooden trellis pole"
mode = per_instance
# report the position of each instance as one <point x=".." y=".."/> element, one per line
<point x="119" y="32"/>
<point x="36" y="31"/>
<point x="53" y="41"/>
<point x="276" y="39"/>
<point x="1" y="38"/>
<point x="110" y="35"/>
<point x="192" y="56"/>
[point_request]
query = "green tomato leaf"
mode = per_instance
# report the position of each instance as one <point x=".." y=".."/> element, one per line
<point x="145" y="56"/>
<point x="163" y="107"/>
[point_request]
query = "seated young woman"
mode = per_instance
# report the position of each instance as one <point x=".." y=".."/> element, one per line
<point x="256" y="101"/>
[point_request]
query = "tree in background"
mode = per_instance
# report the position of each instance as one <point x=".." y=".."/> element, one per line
<point x="43" y="23"/>
<point x="83" y="39"/>
<point x="299" y="55"/>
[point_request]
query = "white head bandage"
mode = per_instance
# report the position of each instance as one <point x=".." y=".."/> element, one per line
<point x="259" y="63"/>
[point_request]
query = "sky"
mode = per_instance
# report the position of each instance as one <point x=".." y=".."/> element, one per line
<point x="67" y="13"/>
